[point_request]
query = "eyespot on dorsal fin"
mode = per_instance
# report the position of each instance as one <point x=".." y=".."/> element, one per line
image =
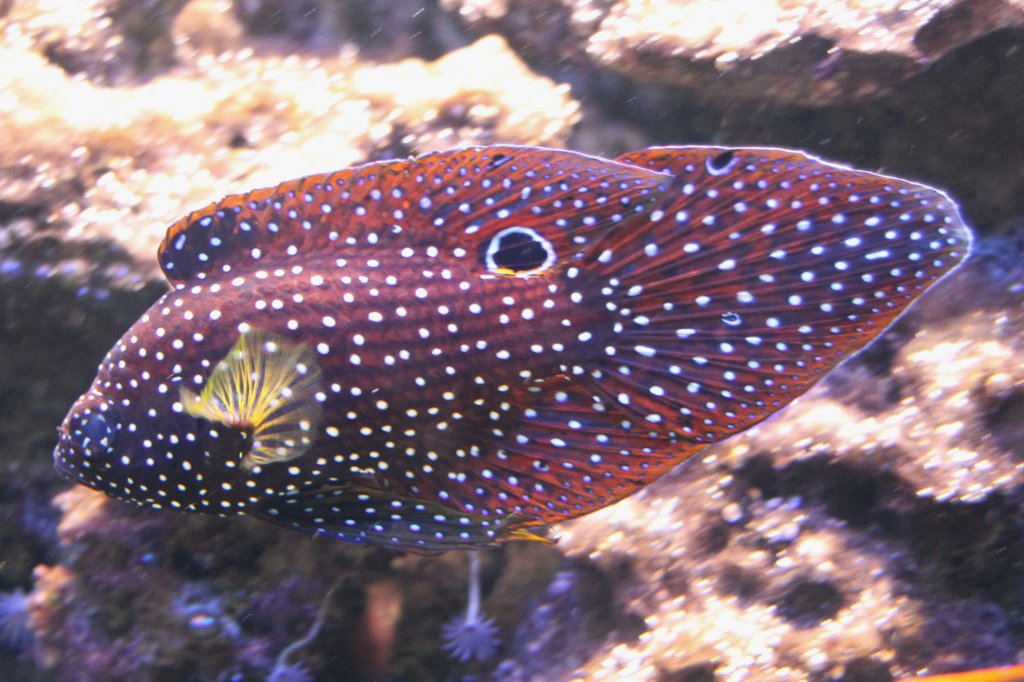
<point x="267" y="386"/>
<point x="449" y="200"/>
<point x="716" y="161"/>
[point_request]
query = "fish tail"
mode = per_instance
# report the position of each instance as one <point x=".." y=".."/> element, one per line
<point x="758" y="272"/>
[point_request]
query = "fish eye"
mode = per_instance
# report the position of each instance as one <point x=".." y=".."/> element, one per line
<point x="519" y="251"/>
<point x="95" y="429"/>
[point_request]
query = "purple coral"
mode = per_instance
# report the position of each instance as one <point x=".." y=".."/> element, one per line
<point x="285" y="671"/>
<point x="15" y="633"/>
<point x="289" y="672"/>
<point x="471" y="636"/>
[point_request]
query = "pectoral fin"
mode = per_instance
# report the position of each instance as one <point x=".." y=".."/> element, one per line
<point x="267" y="386"/>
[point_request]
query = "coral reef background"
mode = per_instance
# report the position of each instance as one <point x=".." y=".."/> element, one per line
<point x="873" y="530"/>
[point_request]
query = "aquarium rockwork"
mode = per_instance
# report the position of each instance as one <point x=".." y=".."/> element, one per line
<point x="536" y="340"/>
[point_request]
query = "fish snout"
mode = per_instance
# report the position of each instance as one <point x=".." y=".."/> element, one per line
<point x="87" y="436"/>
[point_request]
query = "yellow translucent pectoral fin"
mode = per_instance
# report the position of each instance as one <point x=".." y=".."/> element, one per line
<point x="266" y="385"/>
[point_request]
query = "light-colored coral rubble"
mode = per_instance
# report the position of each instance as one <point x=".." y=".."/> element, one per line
<point x="120" y="164"/>
<point x="812" y="53"/>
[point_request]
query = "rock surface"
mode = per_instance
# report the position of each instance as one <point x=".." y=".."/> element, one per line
<point x="141" y="595"/>
<point x="807" y="53"/>
<point x="872" y="530"/>
<point x="870" y="521"/>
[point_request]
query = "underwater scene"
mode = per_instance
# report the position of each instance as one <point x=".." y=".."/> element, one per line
<point x="525" y="340"/>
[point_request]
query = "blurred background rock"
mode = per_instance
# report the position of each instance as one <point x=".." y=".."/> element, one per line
<point x="872" y="530"/>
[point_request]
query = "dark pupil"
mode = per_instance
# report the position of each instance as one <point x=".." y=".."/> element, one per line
<point x="519" y="252"/>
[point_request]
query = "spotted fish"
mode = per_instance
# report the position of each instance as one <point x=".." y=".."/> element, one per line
<point x="447" y="351"/>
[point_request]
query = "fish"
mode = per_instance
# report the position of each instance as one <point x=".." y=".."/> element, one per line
<point x="455" y="350"/>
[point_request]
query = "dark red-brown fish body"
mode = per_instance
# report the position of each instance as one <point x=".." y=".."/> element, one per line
<point x="493" y="338"/>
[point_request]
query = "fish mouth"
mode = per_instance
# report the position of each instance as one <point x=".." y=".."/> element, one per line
<point x="68" y="454"/>
<point x="63" y="454"/>
<point x="87" y="436"/>
<point x="61" y="465"/>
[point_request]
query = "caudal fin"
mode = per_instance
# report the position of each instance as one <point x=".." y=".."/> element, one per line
<point x="759" y="272"/>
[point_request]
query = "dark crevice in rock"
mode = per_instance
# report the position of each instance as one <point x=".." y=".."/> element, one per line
<point x="967" y="549"/>
<point x="808" y="602"/>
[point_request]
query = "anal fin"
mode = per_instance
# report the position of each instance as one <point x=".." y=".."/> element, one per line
<point x="367" y="516"/>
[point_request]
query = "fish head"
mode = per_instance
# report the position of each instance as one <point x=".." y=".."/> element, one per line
<point x="130" y="437"/>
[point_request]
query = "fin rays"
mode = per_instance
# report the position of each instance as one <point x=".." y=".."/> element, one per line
<point x="266" y="385"/>
<point x="755" y="278"/>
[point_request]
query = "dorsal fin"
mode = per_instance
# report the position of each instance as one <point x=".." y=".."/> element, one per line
<point x="442" y="199"/>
